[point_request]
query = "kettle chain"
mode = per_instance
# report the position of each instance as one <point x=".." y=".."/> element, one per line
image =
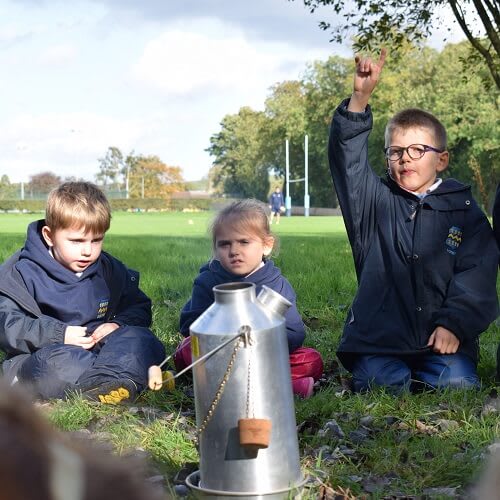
<point x="244" y="330"/>
<point x="249" y="402"/>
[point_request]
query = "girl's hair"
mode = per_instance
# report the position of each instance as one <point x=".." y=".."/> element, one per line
<point x="248" y="215"/>
<point x="78" y="204"/>
<point x="417" y="118"/>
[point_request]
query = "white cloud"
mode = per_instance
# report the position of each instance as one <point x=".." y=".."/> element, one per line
<point x="10" y="33"/>
<point x="57" y="55"/>
<point x="210" y="54"/>
<point x="191" y="63"/>
<point x="67" y="144"/>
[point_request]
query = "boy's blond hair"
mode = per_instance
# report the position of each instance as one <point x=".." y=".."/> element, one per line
<point x="79" y="205"/>
<point x="417" y="118"/>
<point x="248" y="215"/>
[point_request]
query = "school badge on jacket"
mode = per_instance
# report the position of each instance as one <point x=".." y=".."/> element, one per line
<point x="453" y="239"/>
<point x="103" y="308"/>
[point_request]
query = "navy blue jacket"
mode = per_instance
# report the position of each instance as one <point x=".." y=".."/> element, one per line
<point x="419" y="263"/>
<point x="28" y="323"/>
<point x="212" y="274"/>
<point x="276" y="201"/>
<point x="496" y="215"/>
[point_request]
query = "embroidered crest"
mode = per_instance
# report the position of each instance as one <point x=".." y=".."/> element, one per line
<point x="103" y="308"/>
<point x="453" y="240"/>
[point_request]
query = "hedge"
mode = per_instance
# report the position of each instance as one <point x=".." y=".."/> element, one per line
<point x="131" y="204"/>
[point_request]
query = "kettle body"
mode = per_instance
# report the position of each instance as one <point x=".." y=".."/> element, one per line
<point x="248" y="378"/>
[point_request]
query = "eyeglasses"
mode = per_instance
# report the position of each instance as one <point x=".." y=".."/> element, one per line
<point x="415" y="151"/>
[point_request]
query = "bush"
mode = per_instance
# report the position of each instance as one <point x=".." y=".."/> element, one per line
<point x="22" y="205"/>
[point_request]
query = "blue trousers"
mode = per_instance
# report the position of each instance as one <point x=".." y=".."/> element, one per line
<point x="127" y="352"/>
<point x="425" y="371"/>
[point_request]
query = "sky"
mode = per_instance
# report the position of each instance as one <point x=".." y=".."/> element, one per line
<point x="152" y="77"/>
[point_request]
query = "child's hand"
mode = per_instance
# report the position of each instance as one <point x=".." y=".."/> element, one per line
<point x="443" y="341"/>
<point x="365" y="79"/>
<point x="102" y="330"/>
<point x="77" y="335"/>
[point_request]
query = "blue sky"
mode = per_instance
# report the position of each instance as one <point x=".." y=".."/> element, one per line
<point x="151" y="76"/>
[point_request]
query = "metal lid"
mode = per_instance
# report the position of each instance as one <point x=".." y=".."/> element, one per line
<point x="234" y="292"/>
<point x="273" y="300"/>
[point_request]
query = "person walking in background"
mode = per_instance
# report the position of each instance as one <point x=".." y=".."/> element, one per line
<point x="276" y="204"/>
<point x="242" y="244"/>
<point x="72" y="317"/>
<point x="424" y="252"/>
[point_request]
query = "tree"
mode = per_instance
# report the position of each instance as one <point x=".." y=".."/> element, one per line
<point x="251" y="144"/>
<point x="239" y="167"/>
<point x="43" y="182"/>
<point x="8" y="190"/>
<point x="111" y="167"/>
<point x="290" y="118"/>
<point x="395" y="22"/>
<point x="149" y="177"/>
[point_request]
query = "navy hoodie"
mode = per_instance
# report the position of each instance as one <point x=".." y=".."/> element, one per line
<point x="28" y="323"/>
<point x="420" y="263"/>
<point x="212" y="274"/>
<point x="58" y="291"/>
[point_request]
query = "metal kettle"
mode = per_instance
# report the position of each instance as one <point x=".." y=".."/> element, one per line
<point x="245" y="411"/>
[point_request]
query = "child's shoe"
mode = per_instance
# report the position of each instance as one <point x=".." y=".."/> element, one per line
<point x="303" y="387"/>
<point x="112" y="392"/>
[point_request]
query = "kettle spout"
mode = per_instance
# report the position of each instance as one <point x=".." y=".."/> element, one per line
<point x="273" y="300"/>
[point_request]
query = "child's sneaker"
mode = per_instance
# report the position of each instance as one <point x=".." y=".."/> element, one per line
<point x="112" y="392"/>
<point x="303" y="387"/>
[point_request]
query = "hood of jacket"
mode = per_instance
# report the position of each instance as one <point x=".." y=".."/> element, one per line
<point x="263" y="276"/>
<point x="36" y="251"/>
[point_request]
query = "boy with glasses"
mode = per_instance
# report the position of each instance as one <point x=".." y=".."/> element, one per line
<point x="424" y="253"/>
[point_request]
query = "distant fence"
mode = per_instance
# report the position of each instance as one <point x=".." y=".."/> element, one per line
<point x="316" y="211"/>
<point x="131" y="205"/>
<point x="15" y="199"/>
<point x="16" y="191"/>
<point x="153" y="205"/>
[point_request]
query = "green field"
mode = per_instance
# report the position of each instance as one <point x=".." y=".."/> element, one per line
<point x="407" y="448"/>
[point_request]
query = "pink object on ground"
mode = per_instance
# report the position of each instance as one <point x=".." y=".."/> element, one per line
<point x="303" y="387"/>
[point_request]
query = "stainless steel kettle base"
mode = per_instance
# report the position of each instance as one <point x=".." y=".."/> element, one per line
<point x="193" y="482"/>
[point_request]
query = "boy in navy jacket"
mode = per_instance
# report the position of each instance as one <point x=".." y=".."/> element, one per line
<point x="72" y="318"/>
<point x="424" y="253"/>
<point x="276" y="205"/>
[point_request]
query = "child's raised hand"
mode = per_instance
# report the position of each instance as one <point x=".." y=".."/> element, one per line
<point x="443" y="341"/>
<point x="77" y="335"/>
<point x="365" y="79"/>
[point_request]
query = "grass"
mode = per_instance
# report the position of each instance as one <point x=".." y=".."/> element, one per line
<point x="406" y="450"/>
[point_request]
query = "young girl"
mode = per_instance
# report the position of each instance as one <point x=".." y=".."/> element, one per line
<point x="242" y="243"/>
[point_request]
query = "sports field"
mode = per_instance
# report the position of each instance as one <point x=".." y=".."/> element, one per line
<point x="406" y="447"/>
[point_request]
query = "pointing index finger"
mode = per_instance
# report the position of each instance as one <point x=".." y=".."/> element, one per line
<point x="383" y="55"/>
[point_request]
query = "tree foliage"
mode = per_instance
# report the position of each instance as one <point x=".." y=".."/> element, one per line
<point x="8" y="190"/>
<point x="240" y="169"/>
<point x="111" y="167"/>
<point x="43" y="182"/>
<point x="149" y="177"/>
<point x="251" y="145"/>
<point x="395" y="22"/>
